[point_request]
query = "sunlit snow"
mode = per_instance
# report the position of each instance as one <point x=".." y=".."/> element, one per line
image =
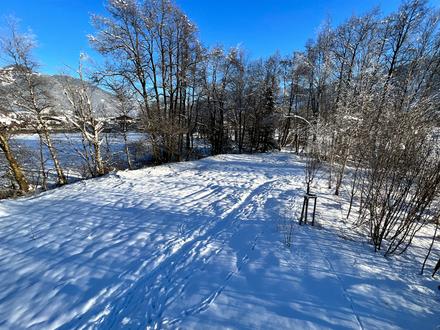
<point x="194" y="245"/>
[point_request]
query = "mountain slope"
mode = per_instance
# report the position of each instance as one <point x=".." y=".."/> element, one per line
<point x="104" y="102"/>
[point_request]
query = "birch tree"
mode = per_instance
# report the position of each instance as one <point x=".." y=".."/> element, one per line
<point x="27" y="93"/>
<point x="5" y="126"/>
<point x="83" y="115"/>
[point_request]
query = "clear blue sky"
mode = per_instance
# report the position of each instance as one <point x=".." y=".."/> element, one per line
<point x="262" y="26"/>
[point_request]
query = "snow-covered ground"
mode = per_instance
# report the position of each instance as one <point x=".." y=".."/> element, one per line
<point x="194" y="246"/>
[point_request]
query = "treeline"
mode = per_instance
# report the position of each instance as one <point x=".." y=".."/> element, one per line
<point x="363" y="95"/>
<point x="364" y="68"/>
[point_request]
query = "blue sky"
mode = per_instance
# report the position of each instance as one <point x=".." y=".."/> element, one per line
<point x="262" y="26"/>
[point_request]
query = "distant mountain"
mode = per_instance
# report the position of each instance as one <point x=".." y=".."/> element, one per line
<point x="103" y="102"/>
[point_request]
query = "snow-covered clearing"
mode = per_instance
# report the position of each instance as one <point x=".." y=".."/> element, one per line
<point x="194" y="246"/>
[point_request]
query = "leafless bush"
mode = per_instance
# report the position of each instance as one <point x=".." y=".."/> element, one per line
<point x="139" y="150"/>
<point x="402" y="180"/>
<point x="286" y="222"/>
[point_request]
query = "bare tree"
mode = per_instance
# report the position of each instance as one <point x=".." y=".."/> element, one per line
<point x="218" y="69"/>
<point x="13" y="163"/>
<point x="27" y="92"/>
<point x="125" y="104"/>
<point x="83" y="117"/>
<point x="153" y="47"/>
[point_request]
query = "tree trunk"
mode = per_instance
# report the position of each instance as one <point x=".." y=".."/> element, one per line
<point x="100" y="171"/>
<point x="18" y="175"/>
<point x="61" y="178"/>
<point x="127" y="151"/>
<point x="43" y="167"/>
<point x="331" y="162"/>
<point x="341" y="176"/>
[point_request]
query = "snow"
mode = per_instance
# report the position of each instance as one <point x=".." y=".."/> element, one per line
<point x="8" y="120"/>
<point x="352" y="118"/>
<point x="194" y="245"/>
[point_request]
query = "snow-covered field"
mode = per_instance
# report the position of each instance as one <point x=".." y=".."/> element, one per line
<point x="194" y="246"/>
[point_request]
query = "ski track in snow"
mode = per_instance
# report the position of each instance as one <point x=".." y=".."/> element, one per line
<point x="146" y="300"/>
<point x="149" y="295"/>
<point x="169" y="247"/>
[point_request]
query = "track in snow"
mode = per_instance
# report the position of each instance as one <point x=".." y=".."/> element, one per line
<point x="144" y="303"/>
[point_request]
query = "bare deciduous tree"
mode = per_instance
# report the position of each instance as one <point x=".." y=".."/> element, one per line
<point x="84" y="117"/>
<point x="27" y="91"/>
<point x="152" y="47"/>
<point x="13" y="163"/>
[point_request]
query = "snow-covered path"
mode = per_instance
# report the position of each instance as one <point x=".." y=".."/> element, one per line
<point x="194" y="246"/>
